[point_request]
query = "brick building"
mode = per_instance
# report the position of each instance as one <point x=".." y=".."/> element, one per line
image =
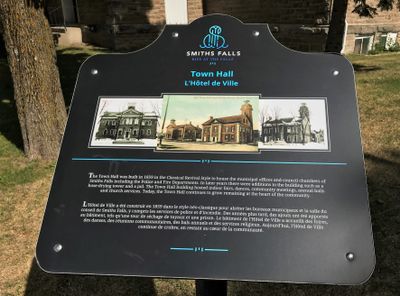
<point x="182" y="132"/>
<point x="127" y="125"/>
<point x="230" y="129"/>
<point x="299" y="24"/>
<point x="363" y="33"/>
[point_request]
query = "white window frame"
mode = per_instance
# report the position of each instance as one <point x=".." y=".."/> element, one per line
<point x="363" y="37"/>
<point x="176" y="12"/>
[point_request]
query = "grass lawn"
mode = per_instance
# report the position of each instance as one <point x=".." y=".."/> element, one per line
<point x="24" y="185"/>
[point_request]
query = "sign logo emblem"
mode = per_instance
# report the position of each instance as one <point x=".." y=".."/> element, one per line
<point x="213" y="39"/>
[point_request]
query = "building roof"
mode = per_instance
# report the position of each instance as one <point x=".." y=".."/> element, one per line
<point x="110" y="114"/>
<point x="286" y="120"/>
<point x="150" y="115"/>
<point x="186" y="125"/>
<point x="130" y="112"/>
<point x="226" y="119"/>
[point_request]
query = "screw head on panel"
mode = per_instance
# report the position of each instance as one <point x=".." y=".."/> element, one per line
<point x="350" y="256"/>
<point x="94" y="71"/>
<point x="256" y="33"/>
<point x="57" y="248"/>
<point x="335" y="72"/>
<point x="175" y="34"/>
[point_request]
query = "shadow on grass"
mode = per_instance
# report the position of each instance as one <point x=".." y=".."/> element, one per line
<point x="40" y="283"/>
<point x="384" y="200"/>
<point x="364" y="68"/>
<point x="68" y="61"/>
<point x="9" y="124"/>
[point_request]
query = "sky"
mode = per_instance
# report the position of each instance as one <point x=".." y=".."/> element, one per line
<point x="118" y="105"/>
<point x="198" y="109"/>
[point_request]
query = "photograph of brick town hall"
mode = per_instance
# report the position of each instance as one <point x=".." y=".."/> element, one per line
<point x="129" y="124"/>
<point x="219" y="131"/>
<point x="182" y="132"/>
<point x="228" y="129"/>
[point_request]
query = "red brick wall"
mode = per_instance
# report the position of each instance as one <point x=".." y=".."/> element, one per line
<point x="195" y="9"/>
<point x="137" y="23"/>
<point x="298" y="24"/>
<point x="92" y="17"/>
<point x="272" y="11"/>
<point x="131" y="24"/>
<point x="382" y="18"/>
<point x="121" y="24"/>
<point x="382" y="22"/>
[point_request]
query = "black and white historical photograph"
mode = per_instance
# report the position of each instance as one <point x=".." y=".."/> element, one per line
<point x="126" y="122"/>
<point x="293" y="124"/>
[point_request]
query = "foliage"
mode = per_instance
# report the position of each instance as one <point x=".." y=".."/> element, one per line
<point x="380" y="48"/>
<point x="362" y="8"/>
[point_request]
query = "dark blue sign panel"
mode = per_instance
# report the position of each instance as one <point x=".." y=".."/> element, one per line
<point x="213" y="153"/>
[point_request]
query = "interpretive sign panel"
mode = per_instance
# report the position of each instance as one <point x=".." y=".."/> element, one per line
<point x="213" y="153"/>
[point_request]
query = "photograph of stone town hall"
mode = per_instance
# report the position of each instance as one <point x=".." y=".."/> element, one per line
<point x="126" y="122"/>
<point x="209" y="123"/>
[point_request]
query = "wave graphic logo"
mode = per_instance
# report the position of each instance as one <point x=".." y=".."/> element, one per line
<point x="213" y="39"/>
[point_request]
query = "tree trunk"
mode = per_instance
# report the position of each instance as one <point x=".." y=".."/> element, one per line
<point x="37" y="89"/>
<point x="337" y="27"/>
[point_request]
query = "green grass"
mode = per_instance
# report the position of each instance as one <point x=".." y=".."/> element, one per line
<point x="24" y="185"/>
<point x="69" y="61"/>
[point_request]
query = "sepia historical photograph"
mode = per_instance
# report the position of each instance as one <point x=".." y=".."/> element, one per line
<point x="126" y="122"/>
<point x="293" y="124"/>
<point x="209" y="123"/>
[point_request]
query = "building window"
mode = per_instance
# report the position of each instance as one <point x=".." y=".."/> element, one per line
<point x="136" y="121"/>
<point x="288" y="129"/>
<point x="363" y="44"/>
<point x="148" y="132"/>
<point x="105" y="132"/>
<point x="120" y="133"/>
<point x="232" y="129"/>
